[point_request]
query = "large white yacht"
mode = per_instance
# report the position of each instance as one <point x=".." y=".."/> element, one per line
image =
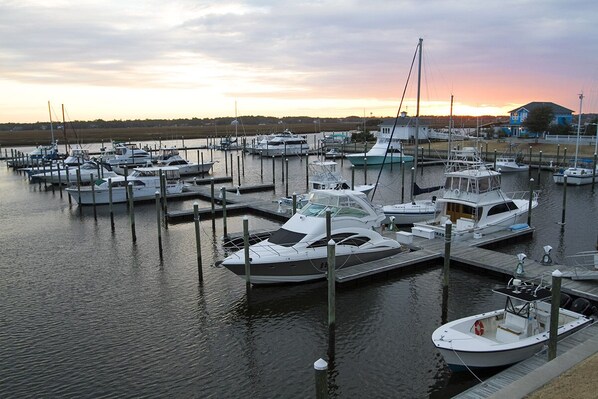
<point x="280" y="144"/>
<point x="145" y="182"/>
<point x="297" y="252"/>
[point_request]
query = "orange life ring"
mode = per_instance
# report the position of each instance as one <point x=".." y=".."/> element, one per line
<point x="479" y="327"/>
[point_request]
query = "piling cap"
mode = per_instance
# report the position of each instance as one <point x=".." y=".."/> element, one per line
<point x="557" y="273"/>
<point x="331" y="242"/>
<point x="321" y="364"/>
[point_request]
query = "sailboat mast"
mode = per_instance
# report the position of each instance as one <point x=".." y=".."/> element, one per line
<point x="236" y="121"/>
<point x="578" y="128"/>
<point x="416" y="151"/>
<point x="51" y="127"/>
<point x="66" y="150"/>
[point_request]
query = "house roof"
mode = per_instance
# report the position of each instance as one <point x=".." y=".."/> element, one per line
<point x="557" y="109"/>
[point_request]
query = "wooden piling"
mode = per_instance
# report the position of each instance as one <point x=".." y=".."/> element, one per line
<point x="564" y="200"/>
<point x="555" y="302"/>
<point x="164" y="188"/>
<point x="131" y="211"/>
<point x="110" y="203"/>
<point x="246" y="252"/>
<point x="331" y="285"/>
<point x="328" y="225"/>
<point x="539" y="166"/>
<point x="447" y="253"/>
<point x="197" y="241"/>
<point x="159" y="222"/>
<point x="402" y="182"/>
<point x="321" y="375"/>
<point x="223" y="194"/>
<point x="294" y="203"/>
<point x="286" y="166"/>
<point x="274" y="173"/>
<point x="238" y="171"/>
<point x="79" y="187"/>
<point x="212" y="199"/>
<point x="531" y="197"/>
<point x="594" y="169"/>
<point x="93" y="197"/>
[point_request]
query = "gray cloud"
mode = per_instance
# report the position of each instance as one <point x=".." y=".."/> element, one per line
<point x="341" y="47"/>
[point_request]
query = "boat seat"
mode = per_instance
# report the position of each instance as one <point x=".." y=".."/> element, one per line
<point x="511" y="329"/>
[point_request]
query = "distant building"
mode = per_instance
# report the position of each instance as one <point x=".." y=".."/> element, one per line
<point x="562" y="116"/>
<point x="405" y="128"/>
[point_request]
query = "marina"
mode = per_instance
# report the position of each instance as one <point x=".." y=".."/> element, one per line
<point x="219" y="324"/>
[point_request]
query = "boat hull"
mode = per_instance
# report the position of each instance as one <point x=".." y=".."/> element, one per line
<point x="409" y="213"/>
<point x="461" y="346"/>
<point x="574" y="180"/>
<point x="302" y="267"/>
<point x="85" y="196"/>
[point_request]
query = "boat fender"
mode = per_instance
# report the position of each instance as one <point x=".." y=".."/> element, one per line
<point x="457" y="192"/>
<point x="478" y="327"/>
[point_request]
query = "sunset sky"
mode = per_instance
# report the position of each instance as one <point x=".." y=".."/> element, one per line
<point x="134" y="59"/>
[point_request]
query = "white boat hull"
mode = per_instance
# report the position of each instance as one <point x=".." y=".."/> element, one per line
<point x="85" y="195"/>
<point x="575" y="177"/>
<point x="462" y="345"/>
<point x="410" y="212"/>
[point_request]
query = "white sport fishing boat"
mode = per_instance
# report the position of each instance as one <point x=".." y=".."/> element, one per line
<point x="280" y="144"/>
<point x="475" y="204"/>
<point x="297" y="252"/>
<point x="68" y="174"/>
<point x="145" y="182"/>
<point x="169" y="156"/>
<point x="128" y="155"/>
<point x="504" y="336"/>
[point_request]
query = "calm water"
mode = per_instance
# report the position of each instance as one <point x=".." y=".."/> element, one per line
<point x="84" y="312"/>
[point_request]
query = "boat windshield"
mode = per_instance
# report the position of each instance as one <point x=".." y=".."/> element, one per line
<point x="339" y="205"/>
<point x="285" y="238"/>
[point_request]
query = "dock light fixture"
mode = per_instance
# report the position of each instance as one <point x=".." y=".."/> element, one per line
<point x="519" y="269"/>
<point x="546" y="259"/>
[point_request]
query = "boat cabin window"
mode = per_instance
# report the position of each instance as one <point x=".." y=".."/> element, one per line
<point x="501" y="208"/>
<point x="285" y="238"/>
<point x="457" y="211"/>
<point x="322" y="242"/>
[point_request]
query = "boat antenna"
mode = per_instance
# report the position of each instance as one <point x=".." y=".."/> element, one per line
<point x="578" y="128"/>
<point x="396" y="118"/>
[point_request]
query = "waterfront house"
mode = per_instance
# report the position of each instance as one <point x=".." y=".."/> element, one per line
<point x="562" y="116"/>
<point x="405" y="128"/>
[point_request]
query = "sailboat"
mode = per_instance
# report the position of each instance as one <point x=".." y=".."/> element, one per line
<point x="414" y="211"/>
<point x="576" y="176"/>
<point x="43" y="153"/>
